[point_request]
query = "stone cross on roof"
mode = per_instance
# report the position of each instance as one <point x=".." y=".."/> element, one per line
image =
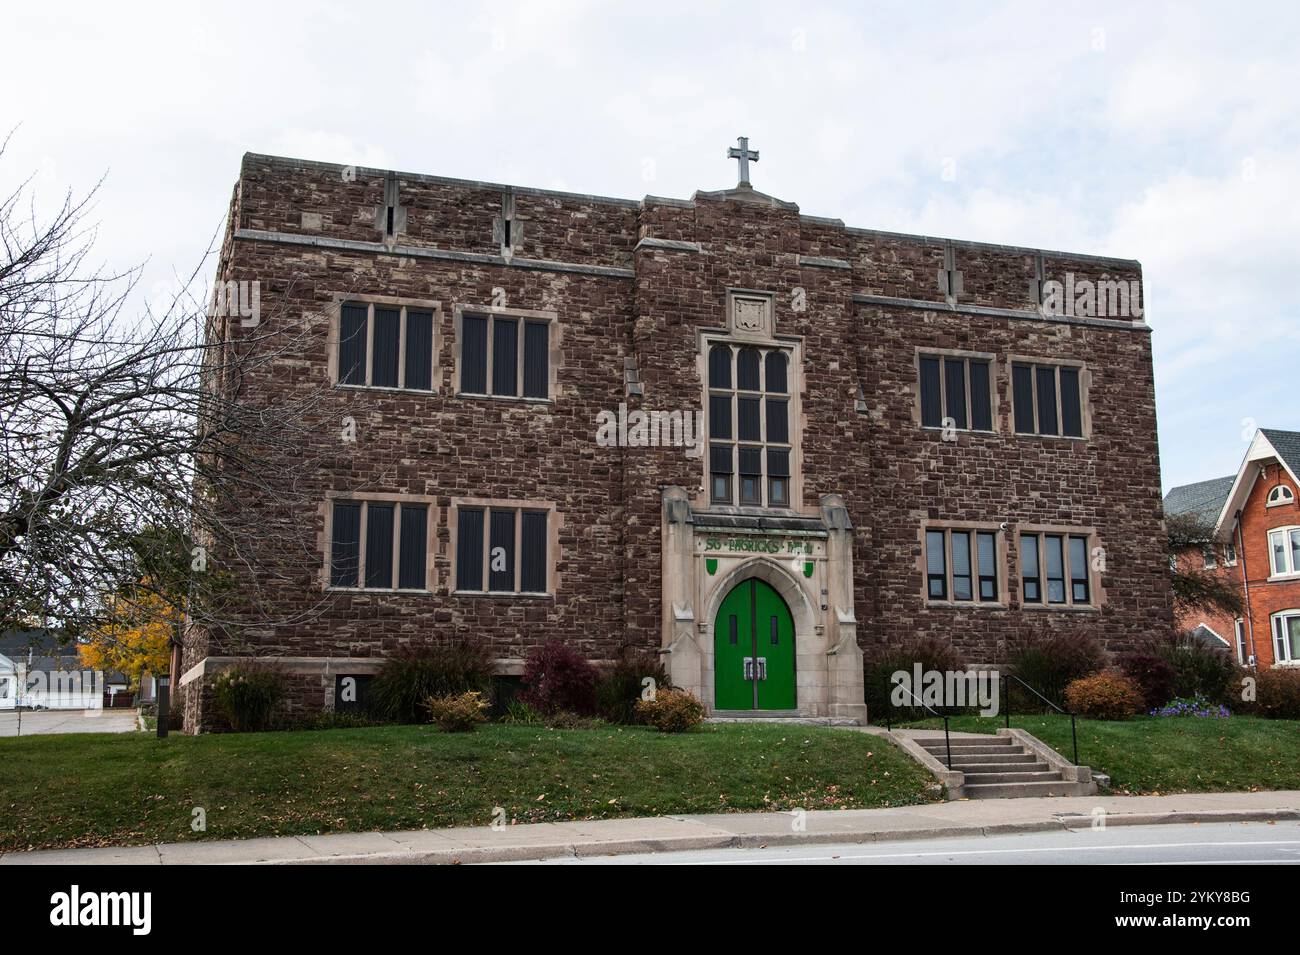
<point x="743" y="154"/>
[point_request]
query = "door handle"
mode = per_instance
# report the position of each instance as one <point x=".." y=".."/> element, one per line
<point x="762" y="668"/>
<point x="749" y="668"/>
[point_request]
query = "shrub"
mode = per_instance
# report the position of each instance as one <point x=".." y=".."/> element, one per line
<point x="457" y="713"/>
<point x="246" y="694"/>
<point x="671" y="711"/>
<point x="620" y="687"/>
<point x="1050" y="664"/>
<point x="931" y="652"/>
<point x="1277" y="694"/>
<point x="409" y="677"/>
<point x="1200" y="670"/>
<point x="559" y="678"/>
<point x="1154" y="676"/>
<point x="1104" y="696"/>
<point x="1197" y="706"/>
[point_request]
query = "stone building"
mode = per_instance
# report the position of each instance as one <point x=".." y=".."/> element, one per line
<point x="901" y="435"/>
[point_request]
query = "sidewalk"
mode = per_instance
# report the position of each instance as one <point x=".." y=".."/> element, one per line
<point x="741" y="830"/>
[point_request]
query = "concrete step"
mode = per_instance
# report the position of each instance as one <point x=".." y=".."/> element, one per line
<point x="971" y="769"/>
<point x="937" y="746"/>
<point x="780" y="717"/>
<point x="967" y="741"/>
<point x="1045" y="775"/>
<point x="1004" y="756"/>
<point x="1013" y="790"/>
<point x="974" y="750"/>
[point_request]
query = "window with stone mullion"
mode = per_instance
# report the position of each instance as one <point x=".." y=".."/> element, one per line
<point x="743" y="433"/>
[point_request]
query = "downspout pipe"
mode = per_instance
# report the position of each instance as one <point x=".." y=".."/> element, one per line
<point x="1245" y="584"/>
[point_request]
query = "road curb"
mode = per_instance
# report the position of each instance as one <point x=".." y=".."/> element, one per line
<point x="1190" y="817"/>
<point x="615" y="847"/>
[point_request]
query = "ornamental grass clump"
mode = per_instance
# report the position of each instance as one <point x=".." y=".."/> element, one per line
<point x="246" y="695"/>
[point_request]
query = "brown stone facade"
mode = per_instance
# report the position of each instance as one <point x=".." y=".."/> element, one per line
<point x="636" y="291"/>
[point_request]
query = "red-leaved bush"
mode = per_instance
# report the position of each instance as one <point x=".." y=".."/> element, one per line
<point x="559" y="679"/>
<point x="1154" y="676"/>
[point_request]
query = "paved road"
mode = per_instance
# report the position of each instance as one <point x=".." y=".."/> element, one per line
<point x="1228" y="843"/>
<point x="42" y="722"/>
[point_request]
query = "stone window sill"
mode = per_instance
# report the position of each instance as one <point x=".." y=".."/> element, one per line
<point x="380" y="590"/>
<point x="1061" y="608"/>
<point x="965" y="605"/>
<point x="501" y="595"/>
<point x="512" y="399"/>
<point x="348" y="386"/>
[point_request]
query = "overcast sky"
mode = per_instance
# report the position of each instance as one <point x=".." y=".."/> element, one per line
<point x="1168" y="134"/>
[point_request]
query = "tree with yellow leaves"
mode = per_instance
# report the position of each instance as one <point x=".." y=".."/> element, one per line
<point x="136" y="636"/>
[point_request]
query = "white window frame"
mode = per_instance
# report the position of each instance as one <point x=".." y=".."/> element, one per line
<point x="1289" y="569"/>
<point x="1230" y="554"/>
<point x="1279" y="496"/>
<point x="1239" y="635"/>
<point x="1277" y="628"/>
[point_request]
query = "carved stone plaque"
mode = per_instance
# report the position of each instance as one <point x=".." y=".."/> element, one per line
<point x="751" y="315"/>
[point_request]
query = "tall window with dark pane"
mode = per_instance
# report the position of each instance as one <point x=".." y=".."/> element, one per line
<point x="1055" y="565"/>
<point x="353" y="320"/>
<point x="385" y="346"/>
<point x="955" y="391"/>
<point x="393" y="555"/>
<point x="961" y="565"/>
<point x="517" y="363"/>
<point x="749" y="426"/>
<point x="504" y="546"/>
<point x="1048" y="400"/>
<point x="501" y="551"/>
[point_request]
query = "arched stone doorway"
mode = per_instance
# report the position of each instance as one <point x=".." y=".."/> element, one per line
<point x="754" y="650"/>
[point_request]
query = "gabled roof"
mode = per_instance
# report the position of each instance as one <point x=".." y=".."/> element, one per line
<point x="1203" y="500"/>
<point x="1206" y="637"/>
<point x="1269" y="444"/>
<point x="1287" y="446"/>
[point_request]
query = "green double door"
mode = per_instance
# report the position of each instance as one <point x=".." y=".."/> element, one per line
<point x="753" y="662"/>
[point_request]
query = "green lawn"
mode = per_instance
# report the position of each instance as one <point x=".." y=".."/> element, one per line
<point x="1152" y="755"/>
<point x="90" y="790"/>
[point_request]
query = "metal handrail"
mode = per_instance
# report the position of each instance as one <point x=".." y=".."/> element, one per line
<point x="947" y="740"/>
<point x="1006" y="709"/>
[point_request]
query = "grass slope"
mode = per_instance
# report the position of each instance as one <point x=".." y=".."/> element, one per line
<point x="89" y="790"/>
<point x="1152" y="755"/>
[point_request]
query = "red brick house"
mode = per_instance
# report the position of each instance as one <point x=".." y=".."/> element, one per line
<point x="1260" y="518"/>
<point x="1254" y="520"/>
<point x="901" y="435"/>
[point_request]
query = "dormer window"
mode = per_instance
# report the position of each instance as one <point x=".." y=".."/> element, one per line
<point x="1280" y="495"/>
